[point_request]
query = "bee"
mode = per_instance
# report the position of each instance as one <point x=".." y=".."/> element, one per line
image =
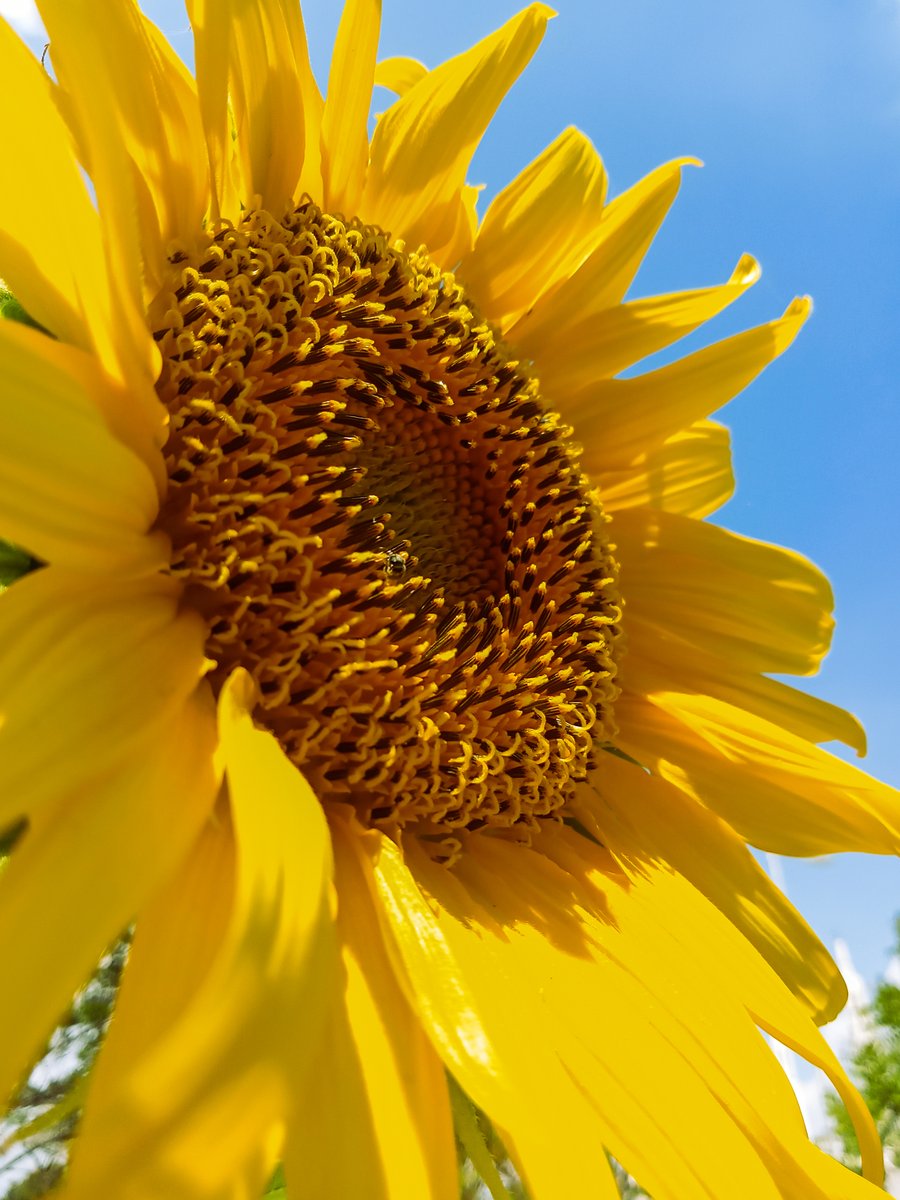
<point x="395" y="563"/>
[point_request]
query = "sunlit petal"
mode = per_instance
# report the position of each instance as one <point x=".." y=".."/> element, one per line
<point x="423" y="144"/>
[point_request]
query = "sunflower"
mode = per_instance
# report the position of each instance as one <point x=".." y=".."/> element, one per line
<point x="382" y="670"/>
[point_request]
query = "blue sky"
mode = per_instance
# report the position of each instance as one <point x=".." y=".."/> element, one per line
<point x="794" y="105"/>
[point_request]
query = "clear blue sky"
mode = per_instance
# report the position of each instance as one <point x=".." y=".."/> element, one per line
<point x="794" y="105"/>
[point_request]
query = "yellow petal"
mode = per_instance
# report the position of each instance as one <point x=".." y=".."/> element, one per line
<point x="153" y="116"/>
<point x="70" y="492"/>
<point x="212" y="57"/>
<point x="460" y="984"/>
<point x="689" y="473"/>
<point x="180" y="185"/>
<point x="399" y="74"/>
<point x="246" y="1035"/>
<point x="612" y="1021"/>
<point x="345" y="120"/>
<point x="177" y="938"/>
<point x="133" y="107"/>
<point x="658" y="661"/>
<point x="256" y="54"/>
<point x="76" y="881"/>
<point x="513" y="261"/>
<point x="579" y="353"/>
<point x="758" y="607"/>
<point x="630" y="223"/>
<point x="622" y="237"/>
<point x="55" y="268"/>
<point x="468" y="199"/>
<point x="376" y="1073"/>
<point x="779" y="792"/>
<point x="423" y="144"/>
<point x="621" y="419"/>
<point x="88" y="670"/>
<point x="611" y="963"/>
<point x="698" y="981"/>
<point x="644" y="813"/>
<point x="464" y="208"/>
<point x="176" y="941"/>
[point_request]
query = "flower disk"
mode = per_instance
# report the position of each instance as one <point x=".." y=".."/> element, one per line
<point x="384" y="525"/>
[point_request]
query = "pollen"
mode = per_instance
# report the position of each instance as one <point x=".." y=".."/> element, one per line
<point x="385" y="525"/>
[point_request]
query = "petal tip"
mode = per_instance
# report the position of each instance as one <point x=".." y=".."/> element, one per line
<point x="800" y="307"/>
<point x="747" y="272"/>
<point x="238" y="696"/>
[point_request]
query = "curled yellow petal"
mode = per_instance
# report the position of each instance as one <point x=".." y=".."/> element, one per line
<point x="423" y="144"/>
<point x="399" y="74"/>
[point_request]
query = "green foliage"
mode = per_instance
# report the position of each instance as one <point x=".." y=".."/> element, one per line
<point x="38" y="1183"/>
<point x="13" y="564"/>
<point x="628" y="1189"/>
<point x="276" y="1189"/>
<point x="54" y="1087"/>
<point x="876" y="1067"/>
<point x="12" y="310"/>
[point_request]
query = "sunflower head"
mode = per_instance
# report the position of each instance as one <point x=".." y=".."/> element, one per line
<point x="383" y="523"/>
<point x="346" y="502"/>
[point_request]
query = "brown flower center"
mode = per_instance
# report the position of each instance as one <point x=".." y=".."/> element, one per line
<point x="384" y="525"/>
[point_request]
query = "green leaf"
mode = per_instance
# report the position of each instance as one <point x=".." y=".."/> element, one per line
<point x="614" y="750"/>
<point x="69" y="1104"/>
<point x="12" y="310"/>
<point x="465" y="1123"/>
<point x="14" y="563"/>
<point x="276" y="1189"/>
